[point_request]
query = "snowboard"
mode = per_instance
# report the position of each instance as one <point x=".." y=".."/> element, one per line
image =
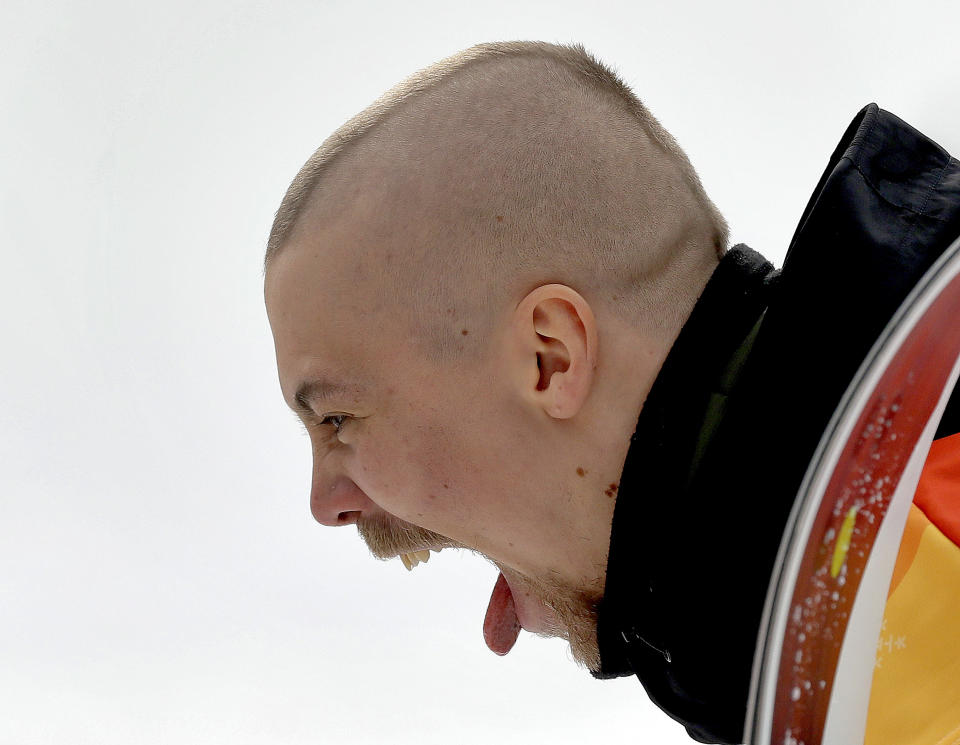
<point x="816" y="649"/>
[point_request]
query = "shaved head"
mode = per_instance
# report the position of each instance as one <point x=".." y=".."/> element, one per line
<point x="502" y="168"/>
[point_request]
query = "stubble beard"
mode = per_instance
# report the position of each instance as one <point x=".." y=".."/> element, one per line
<point x="576" y="613"/>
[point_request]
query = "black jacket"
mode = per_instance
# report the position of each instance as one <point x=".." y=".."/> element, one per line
<point x="727" y="431"/>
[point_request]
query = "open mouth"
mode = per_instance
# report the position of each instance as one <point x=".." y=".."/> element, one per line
<point x="512" y="605"/>
<point x="501" y="623"/>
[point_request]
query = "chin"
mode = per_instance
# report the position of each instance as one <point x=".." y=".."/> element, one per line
<point x="576" y="621"/>
<point x="584" y="648"/>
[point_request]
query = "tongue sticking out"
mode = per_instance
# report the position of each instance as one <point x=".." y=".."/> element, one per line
<point x="501" y="626"/>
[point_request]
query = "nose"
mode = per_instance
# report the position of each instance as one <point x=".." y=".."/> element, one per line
<point x="337" y="501"/>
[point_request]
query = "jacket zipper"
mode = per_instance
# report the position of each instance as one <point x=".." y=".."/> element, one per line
<point x="635" y="637"/>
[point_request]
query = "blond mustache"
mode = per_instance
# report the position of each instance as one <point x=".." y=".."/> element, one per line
<point x="387" y="536"/>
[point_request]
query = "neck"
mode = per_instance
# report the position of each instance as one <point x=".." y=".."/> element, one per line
<point x="599" y="442"/>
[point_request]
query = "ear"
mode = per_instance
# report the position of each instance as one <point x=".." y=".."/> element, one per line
<point x="555" y="342"/>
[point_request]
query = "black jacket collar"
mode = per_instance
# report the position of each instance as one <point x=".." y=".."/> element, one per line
<point x="688" y="395"/>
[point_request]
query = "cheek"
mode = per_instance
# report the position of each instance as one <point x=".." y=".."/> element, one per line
<point x="407" y="473"/>
<point x="442" y="462"/>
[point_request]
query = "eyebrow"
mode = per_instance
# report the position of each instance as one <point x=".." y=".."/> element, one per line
<point x="317" y="390"/>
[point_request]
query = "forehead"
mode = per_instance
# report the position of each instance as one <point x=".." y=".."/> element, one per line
<point x="322" y="327"/>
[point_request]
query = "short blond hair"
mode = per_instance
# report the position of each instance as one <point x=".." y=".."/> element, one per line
<point x="574" y="57"/>
<point x="586" y="217"/>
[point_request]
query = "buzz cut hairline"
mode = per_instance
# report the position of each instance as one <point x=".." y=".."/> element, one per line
<point x="574" y="58"/>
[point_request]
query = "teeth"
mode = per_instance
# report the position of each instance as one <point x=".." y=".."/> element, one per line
<point x="412" y="559"/>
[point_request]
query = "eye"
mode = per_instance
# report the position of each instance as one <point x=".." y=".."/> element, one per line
<point x="334" y="420"/>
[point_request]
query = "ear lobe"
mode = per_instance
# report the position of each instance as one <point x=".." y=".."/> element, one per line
<point x="558" y="335"/>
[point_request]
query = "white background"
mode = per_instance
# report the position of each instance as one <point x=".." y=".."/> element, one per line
<point x="161" y="579"/>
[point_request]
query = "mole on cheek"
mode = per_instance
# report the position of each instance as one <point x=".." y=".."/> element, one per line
<point x="580" y="471"/>
<point x="464" y="332"/>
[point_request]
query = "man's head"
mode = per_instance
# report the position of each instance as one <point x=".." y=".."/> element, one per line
<point x="472" y="286"/>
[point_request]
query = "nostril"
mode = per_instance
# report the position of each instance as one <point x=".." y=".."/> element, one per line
<point x="341" y="504"/>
